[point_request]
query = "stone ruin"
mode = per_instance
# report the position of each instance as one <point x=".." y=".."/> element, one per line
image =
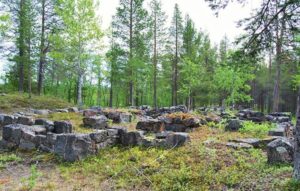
<point x="26" y="133"/>
<point x="163" y="127"/>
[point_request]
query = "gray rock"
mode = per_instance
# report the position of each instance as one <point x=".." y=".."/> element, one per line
<point x="99" y="136"/>
<point x="151" y="125"/>
<point x="248" y="114"/>
<point x="280" y="151"/>
<point x="256" y="143"/>
<point x="72" y="147"/>
<point x="96" y="122"/>
<point x="7" y="120"/>
<point x="233" y="125"/>
<point x="61" y="110"/>
<point x="279" y="131"/>
<point x="118" y="117"/>
<point x="91" y="112"/>
<point x="46" y="143"/>
<point x="176" y="127"/>
<point x="62" y="127"/>
<point x="283" y="119"/>
<point x="191" y="122"/>
<point x="162" y="135"/>
<point x="49" y="125"/>
<point x="38" y="129"/>
<point x="13" y="133"/>
<point x="25" y="120"/>
<point x="73" y="109"/>
<point x="41" y="112"/>
<point x="239" y="145"/>
<point x="131" y="138"/>
<point x="177" y="139"/>
<point x="26" y="145"/>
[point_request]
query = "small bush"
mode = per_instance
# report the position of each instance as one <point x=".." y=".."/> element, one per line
<point x="255" y="129"/>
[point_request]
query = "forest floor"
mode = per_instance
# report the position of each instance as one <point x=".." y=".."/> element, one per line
<point x="204" y="164"/>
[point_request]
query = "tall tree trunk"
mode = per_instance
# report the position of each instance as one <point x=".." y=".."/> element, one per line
<point x="155" y="62"/>
<point x="279" y="38"/>
<point x="99" y="90"/>
<point x="131" y="97"/>
<point x="42" y="52"/>
<point x="21" y="44"/>
<point x="269" y="81"/>
<point x="175" y="69"/>
<point x="79" y="89"/>
<point x="296" y="173"/>
<point x="29" y="64"/>
<point x="111" y="95"/>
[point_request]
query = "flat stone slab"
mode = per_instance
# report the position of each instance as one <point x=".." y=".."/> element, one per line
<point x="256" y="143"/>
<point x="239" y="145"/>
<point x="279" y="131"/>
<point x="151" y="125"/>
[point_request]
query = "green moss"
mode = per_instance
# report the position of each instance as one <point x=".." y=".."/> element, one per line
<point x="14" y="101"/>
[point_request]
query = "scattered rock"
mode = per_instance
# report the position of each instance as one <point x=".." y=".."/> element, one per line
<point x="233" y="125"/>
<point x="256" y="143"/>
<point x="239" y="145"/>
<point x="73" y="110"/>
<point x="13" y="133"/>
<point x="96" y="122"/>
<point x="280" y="151"/>
<point x="25" y="120"/>
<point x="254" y="116"/>
<point x="131" y="138"/>
<point x="118" y="117"/>
<point x="151" y="125"/>
<point x="49" y="125"/>
<point x="99" y="136"/>
<point x="91" y="112"/>
<point x="62" y="111"/>
<point x="7" y="120"/>
<point x="72" y="147"/>
<point x="41" y="112"/>
<point x="177" y="139"/>
<point x="62" y="127"/>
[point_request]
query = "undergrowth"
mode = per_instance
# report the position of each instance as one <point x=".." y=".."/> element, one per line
<point x="256" y="129"/>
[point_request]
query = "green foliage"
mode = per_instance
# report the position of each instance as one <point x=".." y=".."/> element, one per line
<point x="233" y="84"/>
<point x="255" y="129"/>
<point x="31" y="181"/>
<point x="4" y="25"/>
<point x="6" y="158"/>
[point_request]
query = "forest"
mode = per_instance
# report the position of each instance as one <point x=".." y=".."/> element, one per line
<point x="151" y="102"/>
<point x="56" y="48"/>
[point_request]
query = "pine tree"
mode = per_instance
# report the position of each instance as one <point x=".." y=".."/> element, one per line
<point x="176" y="35"/>
<point x="129" y="26"/>
<point x="159" y="37"/>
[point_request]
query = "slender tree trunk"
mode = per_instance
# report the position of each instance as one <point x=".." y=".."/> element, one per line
<point x="296" y="173"/>
<point x="175" y="69"/>
<point x="79" y="89"/>
<point x="42" y="52"/>
<point x="21" y="47"/>
<point x="155" y="63"/>
<point x="99" y="90"/>
<point x="279" y="38"/>
<point x="131" y="97"/>
<point x="29" y="65"/>
<point x="111" y="95"/>
<point x="269" y="102"/>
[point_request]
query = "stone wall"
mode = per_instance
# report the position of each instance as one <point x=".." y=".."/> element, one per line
<point x="26" y="133"/>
